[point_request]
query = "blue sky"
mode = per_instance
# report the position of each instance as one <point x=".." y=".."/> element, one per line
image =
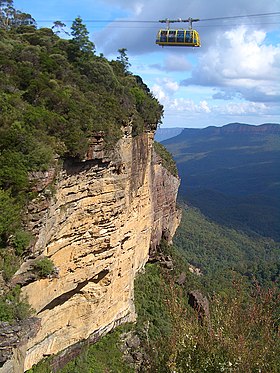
<point x="233" y="77"/>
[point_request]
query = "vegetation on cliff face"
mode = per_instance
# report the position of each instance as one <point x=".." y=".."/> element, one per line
<point x="13" y="307"/>
<point x="104" y="356"/>
<point x="167" y="159"/>
<point x="54" y="95"/>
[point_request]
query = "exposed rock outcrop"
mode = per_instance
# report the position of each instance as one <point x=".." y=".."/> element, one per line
<point x="97" y="229"/>
<point x="201" y="304"/>
<point x="13" y="339"/>
<point x="181" y="279"/>
<point x="133" y="353"/>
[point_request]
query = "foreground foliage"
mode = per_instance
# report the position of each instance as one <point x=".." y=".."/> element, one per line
<point x="242" y="335"/>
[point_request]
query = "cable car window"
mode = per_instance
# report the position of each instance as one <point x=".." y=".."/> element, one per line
<point x="188" y="37"/>
<point x="163" y="36"/>
<point x="171" y="36"/>
<point x="180" y="36"/>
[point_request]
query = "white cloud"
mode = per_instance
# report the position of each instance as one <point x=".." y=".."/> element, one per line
<point x="180" y="105"/>
<point x="171" y="85"/>
<point x="159" y="93"/>
<point x="138" y="8"/>
<point x="204" y="106"/>
<point x="242" y="108"/>
<point x="188" y="105"/>
<point x="240" y="61"/>
<point x="175" y="62"/>
<point x="167" y="85"/>
<point x="247" y="56"/>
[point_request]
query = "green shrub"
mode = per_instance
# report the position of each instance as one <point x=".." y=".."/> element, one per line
<point x="42" y="367"/>
<point x="6" y="312"/>
<point x="9" y="214"/>
<point x="20" y="241"/>
<point x="44" y="267"/>
<point x="13" y="171"/>
<point x="167" y="159"/>
<point x="12" y="307"/>
<point x="151" y="293"/>
<point x="9" y="263"/>
<point x="242" y="336"/>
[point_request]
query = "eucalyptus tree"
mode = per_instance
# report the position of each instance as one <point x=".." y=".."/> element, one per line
<point x="123" y="59"/>
<point x="7" y="12"/>
<point x="58" y="27"/>
<point x="11" y="18"/>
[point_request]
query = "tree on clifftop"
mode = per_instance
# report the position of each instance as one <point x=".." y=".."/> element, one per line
<point x="81" y="38"/>
<point x="123" y="59"/>
<point x="58" y="26"/>
<point x="10" y="17"/>
<point x="6" y="13"/>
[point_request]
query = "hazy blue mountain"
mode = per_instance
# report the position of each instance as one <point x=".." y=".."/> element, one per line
<point x="166" y="133"/>
<point x="232" y="174"/>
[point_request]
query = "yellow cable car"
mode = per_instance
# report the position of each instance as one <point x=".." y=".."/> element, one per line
<point x="178" y="37"/>
<point x="183" y="38"/>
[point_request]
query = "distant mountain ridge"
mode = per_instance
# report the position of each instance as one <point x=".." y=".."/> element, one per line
<point x="163" y="134"/>
<point x="238" y="127"/>
<point x="242" y="127"/>
<point x="232" y="174"/>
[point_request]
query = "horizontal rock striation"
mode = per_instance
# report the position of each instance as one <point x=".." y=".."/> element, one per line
<point x="97" y="228"/>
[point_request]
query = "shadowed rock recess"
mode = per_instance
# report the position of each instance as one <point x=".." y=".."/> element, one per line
<point x="105" y="215"/>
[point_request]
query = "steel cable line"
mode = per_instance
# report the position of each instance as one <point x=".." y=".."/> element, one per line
<point x="203" y="26"/>
<point x="244" y="16"/>
<point x="151" y="21"/>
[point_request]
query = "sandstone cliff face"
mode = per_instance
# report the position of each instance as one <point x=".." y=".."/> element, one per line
<point x="97" y="228"/>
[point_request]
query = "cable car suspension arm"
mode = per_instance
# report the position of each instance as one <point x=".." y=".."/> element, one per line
<point x="189" y="20"/>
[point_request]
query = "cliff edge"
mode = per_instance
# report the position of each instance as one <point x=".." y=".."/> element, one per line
<point x="104" y="216"/>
